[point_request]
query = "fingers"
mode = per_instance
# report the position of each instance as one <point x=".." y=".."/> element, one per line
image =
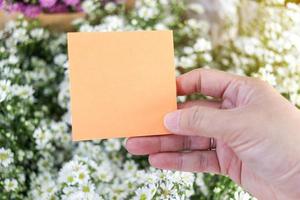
<point x="201" y="121"/>
<point x="206" y="81"/>
<point x="165" y="143"/>
<point x="205" y="103"/>
<point x="196" y="161"/>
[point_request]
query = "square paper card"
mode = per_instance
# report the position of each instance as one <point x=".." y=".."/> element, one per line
<point x="122" y="83"/>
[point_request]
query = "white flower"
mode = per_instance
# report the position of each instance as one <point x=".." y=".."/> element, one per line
<point x="5" y="88"/>
<point x="207" y="57"/>
<point x="110" y="7"/>
<point x="147" y="12"/>
<point x="167" y="189"/>
<point x="194" y="24"/>
<point x="104" y="172"/>
<point x="85" y="191"/>
<point x="130" y="166"/>
<point x="112" y="145"/>
<point x="148" y="3"/>
<point x="187" y="178"/>
<point x="42" y="137"/>
<point x="249" y="45"/>
<point x="60" y="59"/>
<point x="144" y="193"/>
<point x="45" y="183"/>
<point x="200" y="182"/>
<point x="74" y="172"/>
<point x="196" y="7"/>
<point x="61" y="133"/>
<point x="82" y="175"/>
<point x="11" y="25"/>
<point x="134" y="22"/>
<point x="24" y="92"/>
<point x="45" y="163"/>
<point x="111" y="23"/>
<point x="217" y="190"/>
<point x="267" y="75"/>
<point x="67" y="117"/>
<point x="242" y="195"/>
<point x="295" y="98"/>
<point x="168" y="20"/>
<point x="150" y="178"/>
<point x="86" y="28"/>
<point x="167" y="186"/>
<point x="202" y="45"/>
<point x="89" y="6"/>
<point x="6" y="157"/>
<point x="10" y="184"/>
<point x="187" y="61"/>
<point x="64" y="93"/>
<point x="20" y="35"/>
<point x="160" y="26"/>
<point x="164" y="2"/>
<point x="82" y="195"/>
<point x="188" y="50"/>
<point x="13" y="59"/>
<point x="39" y="33"/>
<point x="24" y="23"/>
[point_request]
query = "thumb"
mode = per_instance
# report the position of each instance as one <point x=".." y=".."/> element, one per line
<point x="204" y="121"/>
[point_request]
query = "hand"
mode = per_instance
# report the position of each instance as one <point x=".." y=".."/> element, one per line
<point x="256" y="131"/>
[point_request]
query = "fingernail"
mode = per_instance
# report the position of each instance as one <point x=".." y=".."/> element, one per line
<point x="152" y="161"/>
<point x="171" y="121"/>
<point x="125" y="142"/>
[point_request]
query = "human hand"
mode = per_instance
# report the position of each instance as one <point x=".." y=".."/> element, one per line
<point x="256" y="131"/>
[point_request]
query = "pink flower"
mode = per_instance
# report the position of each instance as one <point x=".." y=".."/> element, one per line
<point x="16" y="7"/>
<point x="32" y="11"/>
<point x="1" y="3"/>
<point x="78" y="8"/>
<point x="58" y="8"/>
<point x="47" y="3"/>
<point x="71" y="2"/>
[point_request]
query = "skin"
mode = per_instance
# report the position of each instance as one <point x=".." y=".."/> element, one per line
<point x="256" y="130"/>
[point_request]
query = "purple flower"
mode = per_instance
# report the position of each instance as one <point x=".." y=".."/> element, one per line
<point x="47" y="3"/>
<point x="16" y="7"/>
<point x="58" y="8"/>
<point x="1" y="3"/>
<point x="78" y="8"/>
<point x="71" y="2"/>
<point x="32" y="11"/>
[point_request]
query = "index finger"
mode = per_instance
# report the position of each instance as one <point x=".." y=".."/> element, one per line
<point x="206" y="81"/>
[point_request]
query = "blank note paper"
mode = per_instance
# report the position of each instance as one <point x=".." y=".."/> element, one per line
<point x="122" y="83"/>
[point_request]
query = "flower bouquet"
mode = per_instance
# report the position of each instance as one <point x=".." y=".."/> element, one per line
<point x="33" y="8"/>
<point x="56" y="14"/>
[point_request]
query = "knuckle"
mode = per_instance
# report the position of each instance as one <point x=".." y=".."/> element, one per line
<point x="255" y="81"/>
<point x="198" y="70"/>
<point x="264" y="85"/>
<point x="203" y="161"/>
<point x="249" y="84"/>
<point x="244" y="81"/>
<point x="198" y="84"/>
<point x="187" y="143"/>
<point x="160" y="144"/>
<point x="259" y="85"/>
<point x="180" y="162"/>
<point x="195" y="118"/>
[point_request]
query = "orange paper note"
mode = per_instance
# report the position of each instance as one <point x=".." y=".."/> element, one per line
<point x="122" y="83"/>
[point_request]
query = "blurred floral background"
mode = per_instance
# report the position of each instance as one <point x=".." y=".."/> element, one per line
<point x="38" y="160"/>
